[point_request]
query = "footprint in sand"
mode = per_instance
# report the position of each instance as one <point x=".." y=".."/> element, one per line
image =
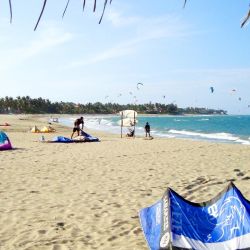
<point x="236" y="170"/>
<point x="59" y="247"/>
<point x="60" y="225"/>
<point x="112" y="238"/>
<point x="42" y="232"/>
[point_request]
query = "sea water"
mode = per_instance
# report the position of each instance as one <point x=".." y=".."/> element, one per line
<point x="217" y="128"/>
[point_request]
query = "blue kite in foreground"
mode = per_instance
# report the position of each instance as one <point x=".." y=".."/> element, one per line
<point x="174" y="223"/>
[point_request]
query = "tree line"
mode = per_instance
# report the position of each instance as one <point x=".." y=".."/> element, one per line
<point x="28" y="105"/>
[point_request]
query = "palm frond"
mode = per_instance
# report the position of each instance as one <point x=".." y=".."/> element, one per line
<point x="184" y="5"/>
<point x="41" y="13"/>
<point x="10" y="6"/>
<point x="83" y="5"/>
<point x="104" y="7"/>
<point x="245" y="19"/>
<point x="65" y="9"/>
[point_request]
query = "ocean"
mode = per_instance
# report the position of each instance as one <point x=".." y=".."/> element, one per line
<point x="224" y="128"/>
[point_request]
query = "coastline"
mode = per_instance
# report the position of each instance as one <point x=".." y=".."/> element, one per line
<point x="87" y="196"/>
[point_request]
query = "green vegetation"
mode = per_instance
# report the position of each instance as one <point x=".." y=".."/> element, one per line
<point x="29" y="105"/>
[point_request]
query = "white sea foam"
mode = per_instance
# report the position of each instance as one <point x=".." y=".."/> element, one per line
<point x="203" y="119"/>
<point x="215" y="136"/>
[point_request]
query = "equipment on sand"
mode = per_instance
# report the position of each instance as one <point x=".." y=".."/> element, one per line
<point x="5" y="124"/>
<point x="45" y="129"/>
<point x="4" y="141"/>
<point x="84" y="137"/>
<point x="222" y="223"/>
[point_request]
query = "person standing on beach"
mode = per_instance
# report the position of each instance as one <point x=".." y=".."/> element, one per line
<point x="77" y="124"/>
<point x="147" y="129"/>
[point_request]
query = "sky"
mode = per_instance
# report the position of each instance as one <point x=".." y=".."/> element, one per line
<point x="177" y="53"/>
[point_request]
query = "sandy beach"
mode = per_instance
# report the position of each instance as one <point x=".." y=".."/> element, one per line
<point x="87" y="195"/>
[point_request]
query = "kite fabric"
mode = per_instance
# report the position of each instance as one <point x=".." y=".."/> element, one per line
<point x="4" y="141"/>
<point x="174" y="223"/>
<point x="86" y="138"/>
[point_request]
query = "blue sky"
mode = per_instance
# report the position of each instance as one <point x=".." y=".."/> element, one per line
<point x="174" y="52"/>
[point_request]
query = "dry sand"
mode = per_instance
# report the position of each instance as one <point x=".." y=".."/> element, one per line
<point x="87" y="196"/>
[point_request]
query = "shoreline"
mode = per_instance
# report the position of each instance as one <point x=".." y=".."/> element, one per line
<point x="107" y="124"/>
<point x="88" y="195"/>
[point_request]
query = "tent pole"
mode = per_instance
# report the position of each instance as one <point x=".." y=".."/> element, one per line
<point x="134" y="124"/>
<point x="121" y="122"/>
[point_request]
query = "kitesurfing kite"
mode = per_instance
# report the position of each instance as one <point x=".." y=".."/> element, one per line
<point x="239" y="98"/>
<point x="137" y="86"/>
<point x="119" y="95"/>
<point x="233" y="91"/>
<point x="219" y="224"/>
<point x="212" y="89"/>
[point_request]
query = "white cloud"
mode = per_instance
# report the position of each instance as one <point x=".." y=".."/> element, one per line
<point x="112" y="53"/>
<point x="144" y="30"/>
<point x="118" y="20"/>
<point x="48" y="39"/>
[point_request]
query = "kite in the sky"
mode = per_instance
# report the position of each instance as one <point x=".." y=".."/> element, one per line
<point x="212" y="89"/>
<point x="239" y="98"/>
<point x="138" y="85"/>
<point x="130" y="93"/>
<point x="106" y="96"/>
